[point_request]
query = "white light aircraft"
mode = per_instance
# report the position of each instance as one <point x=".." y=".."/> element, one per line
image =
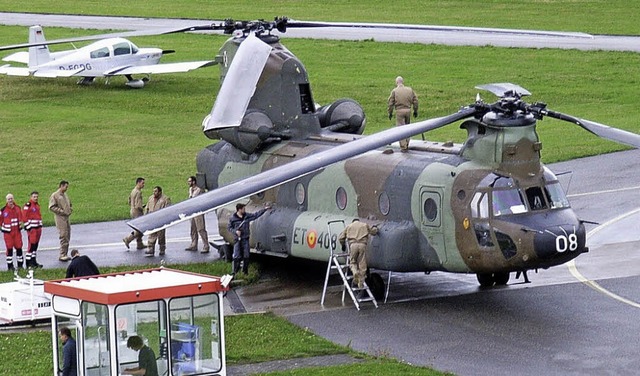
<point x="105" y="58"/>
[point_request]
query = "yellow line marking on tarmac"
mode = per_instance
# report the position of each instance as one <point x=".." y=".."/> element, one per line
<point x="593" y="284"/>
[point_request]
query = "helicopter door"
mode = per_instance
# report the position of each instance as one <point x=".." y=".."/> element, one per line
<point x="431" y="219"/>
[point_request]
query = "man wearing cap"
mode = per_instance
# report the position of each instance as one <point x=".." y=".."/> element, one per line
<point x="239" y="227"/>
<point x="136" y="210"/>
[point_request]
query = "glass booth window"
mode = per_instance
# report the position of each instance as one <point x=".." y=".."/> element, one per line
<point x="195" y="335"/>
<point x="96" y="351"/>
<point x="141" y="334"/>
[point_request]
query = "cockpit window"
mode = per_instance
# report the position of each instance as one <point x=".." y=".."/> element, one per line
<point x="121" y="49"/>
<point x="508" y="201"/>
<point x="480" y="205"/>
<point x="500" y="195"/>
<point x="134" y="49"/>
<point x="557" y="198"/>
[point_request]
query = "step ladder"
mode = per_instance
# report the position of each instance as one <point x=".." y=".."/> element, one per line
<point x="340" y="262"/>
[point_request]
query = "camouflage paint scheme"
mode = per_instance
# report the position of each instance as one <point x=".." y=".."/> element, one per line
<point x="488" y="206"/>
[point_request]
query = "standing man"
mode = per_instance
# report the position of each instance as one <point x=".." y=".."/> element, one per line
<point x="357" y="236"/>
<point x="33" y="226"/>
<point x="156" y="202"/>
<point x="239" y="226"/>
<point x="147" y="365"/>
<point x="60" y="205"/>
<point x="69" y="362"/>
<point x="401" y="100"/>
<point x="198" y="226"/>
<point x="11" y="217"/>
<point x="135" y="204"/>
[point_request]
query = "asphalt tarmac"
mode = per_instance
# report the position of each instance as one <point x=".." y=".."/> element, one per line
<point x="575" y="319"/>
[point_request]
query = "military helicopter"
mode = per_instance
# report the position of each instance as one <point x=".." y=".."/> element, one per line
<point x="487" y="206"/>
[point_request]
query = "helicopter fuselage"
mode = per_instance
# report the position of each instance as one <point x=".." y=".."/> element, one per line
<point x="435" y="209"/>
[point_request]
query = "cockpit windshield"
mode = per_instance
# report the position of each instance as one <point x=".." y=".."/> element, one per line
<point x="506" y="198"/>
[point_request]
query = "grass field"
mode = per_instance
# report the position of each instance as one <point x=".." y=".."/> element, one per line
<point x="593" y="16"/>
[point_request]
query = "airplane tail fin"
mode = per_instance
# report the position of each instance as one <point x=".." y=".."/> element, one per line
<point x="40" y="54"/>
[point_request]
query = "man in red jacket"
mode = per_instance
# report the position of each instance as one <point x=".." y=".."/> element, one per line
<point x="11" y="217"/>
<point x="33" y="226"/>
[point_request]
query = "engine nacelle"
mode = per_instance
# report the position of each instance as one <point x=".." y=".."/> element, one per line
<point x="255" y="130"/>
<point x="343" y="116"/>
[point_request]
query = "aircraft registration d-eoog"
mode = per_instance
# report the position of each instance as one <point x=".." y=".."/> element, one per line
<point x="107" y="57"/>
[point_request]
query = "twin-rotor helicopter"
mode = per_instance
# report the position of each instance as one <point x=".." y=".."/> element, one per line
<point x="487" y="206"/>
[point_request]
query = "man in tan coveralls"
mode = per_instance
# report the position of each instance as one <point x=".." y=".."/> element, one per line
<point x="357" y="236"/>
<point x="198" y="226"/>
<point x="60" y="205"/>
<point x="402" y="98"/>
<point x="156" y="202"/>
<point x="135" y="203"/>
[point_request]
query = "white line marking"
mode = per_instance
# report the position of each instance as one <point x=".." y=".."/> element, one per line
<point x="593" y="284"/>
<point x="107" y="245"/>
<point x="603" y="192"/>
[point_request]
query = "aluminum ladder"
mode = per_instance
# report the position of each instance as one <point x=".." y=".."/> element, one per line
<point x="340" y="263"/>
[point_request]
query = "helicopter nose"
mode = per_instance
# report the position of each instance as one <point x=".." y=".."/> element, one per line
<point x="560" y="241"/>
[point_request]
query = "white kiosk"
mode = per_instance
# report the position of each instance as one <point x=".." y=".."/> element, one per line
<point x="178" y="315"/>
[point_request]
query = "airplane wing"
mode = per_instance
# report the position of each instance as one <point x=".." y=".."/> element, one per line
<point x="160" y="68"/>
<point x="18" y="57"/>
<point x="274" y="177"/>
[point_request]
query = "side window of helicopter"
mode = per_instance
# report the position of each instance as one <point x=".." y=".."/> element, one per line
<point x="341" y="198"/>
<point x="507" y="201"/>
<point x="103" y="52"/>
<point x="121" y="49"/>
<point x="536" y="198"/>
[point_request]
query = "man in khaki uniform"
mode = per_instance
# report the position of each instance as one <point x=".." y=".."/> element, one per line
<point x="401" y="100"/>
<point x="135" y="203"/>
<point x="357" y="236"/>
<point x="198" y="226"/>
<point x="60" y="205"/>
<point x="156" y="202"/>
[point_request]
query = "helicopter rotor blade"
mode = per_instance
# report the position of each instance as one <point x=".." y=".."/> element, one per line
<point x="124" y="34"/>
<point x="600" y="130"/>
<point x="239" y="189"/>
<point x="239" y="84"/>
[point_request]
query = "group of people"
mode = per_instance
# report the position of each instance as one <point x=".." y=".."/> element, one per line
<point x="157" y="201"/>
<point x="29" y="218"/>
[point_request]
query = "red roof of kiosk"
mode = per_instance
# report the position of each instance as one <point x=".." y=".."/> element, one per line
<point x="135" y="286"/>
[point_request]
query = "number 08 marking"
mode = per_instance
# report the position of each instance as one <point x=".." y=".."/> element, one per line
<point x="564" y="243"/>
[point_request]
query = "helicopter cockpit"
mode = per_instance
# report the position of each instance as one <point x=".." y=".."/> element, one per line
<point x="499" y="195"/>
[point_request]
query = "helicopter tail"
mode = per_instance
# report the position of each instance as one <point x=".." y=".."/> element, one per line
<point x="40" y="54"/>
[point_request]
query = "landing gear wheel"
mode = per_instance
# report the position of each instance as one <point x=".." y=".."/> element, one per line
<point x="226" y="252"/>
<point x="485" y="279"/>
<point x="376" y="285"/>
<point x="501" y="279"/>
<point x="489" y="279"/>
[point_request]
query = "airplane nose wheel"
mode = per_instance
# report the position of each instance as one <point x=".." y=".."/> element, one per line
<point x="490" y="279"/>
